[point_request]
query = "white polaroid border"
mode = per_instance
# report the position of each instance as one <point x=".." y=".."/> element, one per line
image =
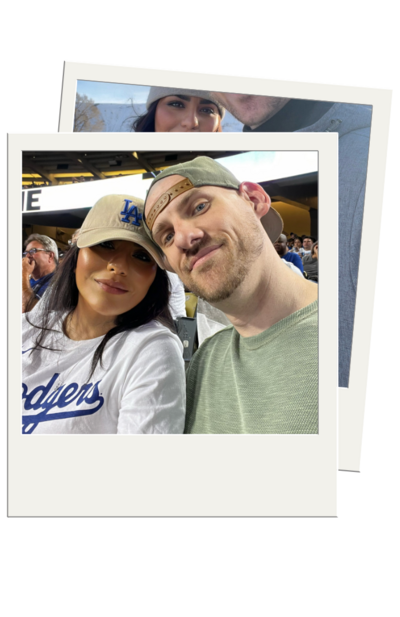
<point x="351" y="399"/>
<point x="177" y="475"/>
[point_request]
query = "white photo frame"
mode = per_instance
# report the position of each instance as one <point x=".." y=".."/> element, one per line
<point x="175" y="475"/>
<point x="351" y="399"/>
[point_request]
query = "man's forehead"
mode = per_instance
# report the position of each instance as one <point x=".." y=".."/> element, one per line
<point x="34" y="244"/>
<point x="161" y="187"/>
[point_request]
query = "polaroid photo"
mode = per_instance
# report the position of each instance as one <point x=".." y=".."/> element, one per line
<point x="62" y="176"/>
<point x="115" y="99"/>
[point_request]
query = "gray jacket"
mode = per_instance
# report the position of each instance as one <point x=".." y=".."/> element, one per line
<point x="353" y="123"/>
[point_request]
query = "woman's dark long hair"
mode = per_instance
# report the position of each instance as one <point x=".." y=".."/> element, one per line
<point x="146" y="122"/>
<point x="61" y="298"/>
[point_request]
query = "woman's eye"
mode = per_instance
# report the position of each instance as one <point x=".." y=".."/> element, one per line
<point x="143" y="256"/>
<point x="208" y="110"/>
<point x="176" y="104"/>
<point x="107" y="245"/>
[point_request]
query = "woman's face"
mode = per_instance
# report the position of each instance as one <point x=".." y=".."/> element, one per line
<point x="297" y="243"/>
<point x="186" y="113"/>
<point x="113" y="277"/>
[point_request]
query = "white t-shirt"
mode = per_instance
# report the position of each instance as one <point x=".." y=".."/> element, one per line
<point x="293" y="268"/>
<point x="177" y="299"/>
<point x="141" y="388"/>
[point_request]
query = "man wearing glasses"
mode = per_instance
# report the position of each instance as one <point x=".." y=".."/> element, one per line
<point x="39" y="261"/>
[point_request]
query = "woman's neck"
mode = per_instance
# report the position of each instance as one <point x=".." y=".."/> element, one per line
<point x="84" y="324"/>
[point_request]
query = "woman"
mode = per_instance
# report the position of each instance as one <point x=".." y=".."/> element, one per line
<point x="171" y="110"/>
<point x="98" y="354"/>
<point x="297" y="247"/>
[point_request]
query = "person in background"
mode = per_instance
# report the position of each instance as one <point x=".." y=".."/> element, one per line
<point x="310" y="263"/>
<point x="172" y="110"/>
<point x="39" y="262"/>
<point x="298" y="247"/>
<point x="281" y="248"/>
<point x="307" y="244"/>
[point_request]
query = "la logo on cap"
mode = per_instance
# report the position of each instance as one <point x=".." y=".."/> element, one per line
<point x="131" y="213"/>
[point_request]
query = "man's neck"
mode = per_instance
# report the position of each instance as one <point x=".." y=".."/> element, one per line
<point x="42" y="272"/>
<point x="275" y="294"/>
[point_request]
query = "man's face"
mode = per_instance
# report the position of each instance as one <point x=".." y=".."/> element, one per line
<point x="307" y="244"/>
<point x="251" y="109"/>
<point x="41" y="259"/>
<point x="281" y="245"/>
<point x="210" y="235"/>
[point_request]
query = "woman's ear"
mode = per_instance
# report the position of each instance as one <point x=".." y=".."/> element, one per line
<point x="261" y="201"/>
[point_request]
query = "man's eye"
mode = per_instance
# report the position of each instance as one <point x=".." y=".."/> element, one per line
<point x="168" y="238"/>
<point x="107" y="245"/>
<point x="200" y="207"/>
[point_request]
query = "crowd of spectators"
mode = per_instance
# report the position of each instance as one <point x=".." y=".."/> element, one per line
<point x="301" y="252"/>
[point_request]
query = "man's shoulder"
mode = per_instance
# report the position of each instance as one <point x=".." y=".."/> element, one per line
<point x="345" y="119"/>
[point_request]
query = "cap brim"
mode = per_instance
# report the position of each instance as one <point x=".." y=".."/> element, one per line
<point x="91" y="238"/>
<point x="273" y="224"/>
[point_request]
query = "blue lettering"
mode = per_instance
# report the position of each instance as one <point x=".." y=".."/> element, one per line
<point x="131" y="213"/>
<point x="29" y="404"/>
<point x="68" y="391"/>
<point x="60" y="398"/>
<point x="83" y="392"/>
<point x="50" y="401"/>
<point x="94" y="396"/>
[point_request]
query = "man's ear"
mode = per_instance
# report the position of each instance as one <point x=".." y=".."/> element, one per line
<point x="261" y="202"/>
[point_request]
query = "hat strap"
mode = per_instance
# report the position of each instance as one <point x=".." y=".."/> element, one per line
<point x="163" y="201"/>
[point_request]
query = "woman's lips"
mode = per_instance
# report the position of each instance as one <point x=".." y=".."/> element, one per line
<point x="111" y="287"/>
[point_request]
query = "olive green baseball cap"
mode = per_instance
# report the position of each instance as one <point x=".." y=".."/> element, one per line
<point x="204" y="171"/>
<point x="118" y="217"/>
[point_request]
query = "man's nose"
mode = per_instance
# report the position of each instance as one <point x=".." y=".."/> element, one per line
<point x="187" y="235"/>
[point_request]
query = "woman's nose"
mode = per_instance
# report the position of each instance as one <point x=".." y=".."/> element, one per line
<point x="118" y="264"/>
<point x="191" y="121"/>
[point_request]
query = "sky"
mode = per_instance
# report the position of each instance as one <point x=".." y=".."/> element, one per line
<point x="102" y="92"/>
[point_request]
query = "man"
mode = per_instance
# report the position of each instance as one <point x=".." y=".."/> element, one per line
<point x="212" y="230"/>
<point x="39" y="262"/>
<point x="307" y="244"/>
<point x="353" y="124"/>
<point x="283" y="252"/>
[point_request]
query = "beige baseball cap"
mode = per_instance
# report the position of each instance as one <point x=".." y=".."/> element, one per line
<point x="118" y="217"/>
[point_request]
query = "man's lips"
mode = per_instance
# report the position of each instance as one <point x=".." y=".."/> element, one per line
<point x="111" y="287"/>
<point x="203" y="255"/>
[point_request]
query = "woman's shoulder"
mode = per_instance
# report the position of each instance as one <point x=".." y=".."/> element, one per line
<point x="152" y="331"/>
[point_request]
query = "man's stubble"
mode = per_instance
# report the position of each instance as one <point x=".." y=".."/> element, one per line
<point x="217" y="280"/>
